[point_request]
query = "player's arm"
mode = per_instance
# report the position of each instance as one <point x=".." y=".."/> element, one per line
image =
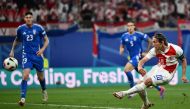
<point x="121" y="49"/>
<point x="15" y="42"/>
<point x="148" y="56"/>
<point x="149" y="41"/>
<point x="149" y="44"/>
<point x="180" y="56"/>
<point x="184" y="66"/>
<point x="140" y="65"/>
<point x="46" y="42"/>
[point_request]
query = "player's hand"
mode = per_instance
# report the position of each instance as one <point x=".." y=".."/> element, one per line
<point x="184" y="79"/>
<point x="40" y="52"/>
<point x="121" y="51"/>
<point x="11" y="54"/>
<point x="141" y="71"/>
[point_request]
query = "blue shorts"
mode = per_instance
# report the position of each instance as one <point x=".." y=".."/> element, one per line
<point x="32" y="61"/>
<point x="134" y="61"/>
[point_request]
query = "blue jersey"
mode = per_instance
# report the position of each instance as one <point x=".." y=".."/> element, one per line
<point x="133" y="42"/>
<point x="31" y="37"/>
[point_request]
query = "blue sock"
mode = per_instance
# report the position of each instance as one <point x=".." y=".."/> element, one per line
<point x="130" y="79"/>
<point x="43" y="84"/>
<point x="23" y="88"/>
<point x="158" y="88"/>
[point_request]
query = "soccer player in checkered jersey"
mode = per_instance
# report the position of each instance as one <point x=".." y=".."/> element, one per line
<point x="31" y="35"/>
<point x="162" y="73"/>
<point x="132" y="41"/>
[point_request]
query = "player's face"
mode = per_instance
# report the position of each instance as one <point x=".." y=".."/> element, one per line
<point x="28" y="19"/>
<point x="156" y="44"/>
<point x="131" y="27"/>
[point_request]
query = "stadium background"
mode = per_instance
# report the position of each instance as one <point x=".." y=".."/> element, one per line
<point x="73" y="60"/>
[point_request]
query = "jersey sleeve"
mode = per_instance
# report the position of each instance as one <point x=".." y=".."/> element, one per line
<point x="18" y="33"/>
<point x="42" y="32"/>
<point x="179" y="51"/>
<point x="144" y="36"/>
<point x="122" y="41"/>
<point x="151" y="53"/>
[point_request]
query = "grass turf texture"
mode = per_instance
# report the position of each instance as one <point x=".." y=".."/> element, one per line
<point x="176" y="97"/>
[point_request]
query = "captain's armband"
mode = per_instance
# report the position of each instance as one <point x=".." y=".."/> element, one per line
<point x="181" y="57"/>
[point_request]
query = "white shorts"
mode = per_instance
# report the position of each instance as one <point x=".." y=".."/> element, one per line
<point x="159" y="75"/>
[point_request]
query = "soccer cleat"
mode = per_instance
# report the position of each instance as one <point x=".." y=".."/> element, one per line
<point x="21" y="102"/>
<point x="162" y="91"/>
<point x="44" y="96"/>
<point x="147" y="105"/>
<point x="118" y="95"/>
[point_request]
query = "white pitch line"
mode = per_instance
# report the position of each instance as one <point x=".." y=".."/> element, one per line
<point x="72" y="106"/>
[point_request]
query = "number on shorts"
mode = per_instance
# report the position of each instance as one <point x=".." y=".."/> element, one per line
<point x="158" y="77"/>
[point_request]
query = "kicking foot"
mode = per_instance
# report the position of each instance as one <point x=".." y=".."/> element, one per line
<point x="44" y="96"/>
<point x="162" y="91"/>
<point x="118" y="95"/>
<point x="21" y="102"/>
<point x="146" y="106"/>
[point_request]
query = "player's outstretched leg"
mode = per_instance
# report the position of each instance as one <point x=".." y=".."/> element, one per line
<point x="118" y="95"/>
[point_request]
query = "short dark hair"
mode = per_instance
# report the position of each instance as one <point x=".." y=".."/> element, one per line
<point x="160" y="37"/>
<point x="131" y="21"/>
<point x="28" y="13"/>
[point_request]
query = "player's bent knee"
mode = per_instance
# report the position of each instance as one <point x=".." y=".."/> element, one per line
<point x="148" y="82"/>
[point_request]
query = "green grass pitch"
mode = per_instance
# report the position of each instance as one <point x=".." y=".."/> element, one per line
<point x="176" y="97"/>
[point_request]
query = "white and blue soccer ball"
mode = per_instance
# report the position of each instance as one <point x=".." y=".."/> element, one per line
<point x="10" y="64"/>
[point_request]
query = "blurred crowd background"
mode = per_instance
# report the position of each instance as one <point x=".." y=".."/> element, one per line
<point x="165" y="12"/>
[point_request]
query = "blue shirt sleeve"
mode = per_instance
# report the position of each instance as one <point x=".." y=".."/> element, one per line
<point x="143" y="36"/>
<point x="18" y="33"/>
<point x="42" y="32"/>
<point x="122" y="41"/>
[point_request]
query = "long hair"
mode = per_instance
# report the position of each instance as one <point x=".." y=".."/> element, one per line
<point x="160" y="37"/>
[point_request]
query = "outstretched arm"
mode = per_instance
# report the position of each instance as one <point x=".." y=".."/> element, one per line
<point x="184" y="65"/>
<point x="140" y="66"/>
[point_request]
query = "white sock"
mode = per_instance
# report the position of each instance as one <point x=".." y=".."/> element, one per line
<point x="135" y="89"/>
<point x="143" y="95"/>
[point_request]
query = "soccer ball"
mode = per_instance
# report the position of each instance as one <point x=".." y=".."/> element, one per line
<point x="10" y="64"/>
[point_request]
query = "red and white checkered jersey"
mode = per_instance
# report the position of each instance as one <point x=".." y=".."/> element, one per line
<point x="168" y="58"/>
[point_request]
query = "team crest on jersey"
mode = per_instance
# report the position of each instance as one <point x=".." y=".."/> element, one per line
<point x="126" y="40"/>
<point x="34" y="32"/>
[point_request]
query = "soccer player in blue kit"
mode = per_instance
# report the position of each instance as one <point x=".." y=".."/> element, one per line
<point x="132" y="41"/>
<point x="31" y="35"/>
